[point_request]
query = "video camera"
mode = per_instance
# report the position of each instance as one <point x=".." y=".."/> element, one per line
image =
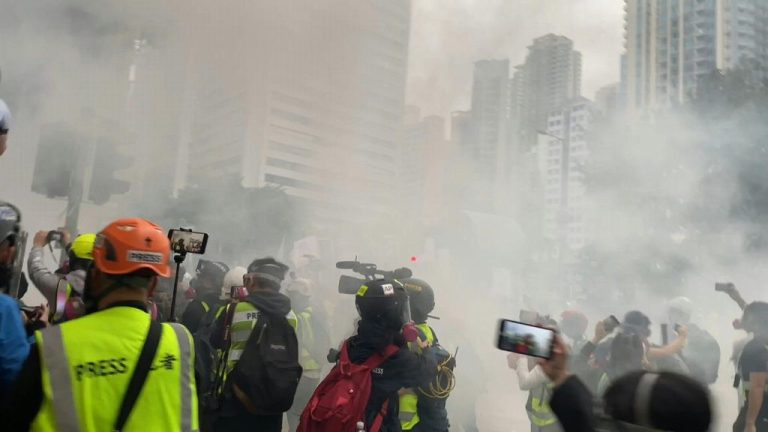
<point x="350" y="284"/>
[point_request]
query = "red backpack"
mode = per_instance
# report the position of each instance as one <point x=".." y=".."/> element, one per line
<point x="339" y="402"/>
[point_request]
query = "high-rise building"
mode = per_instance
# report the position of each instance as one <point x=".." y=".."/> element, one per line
<point x="671" y="44"/>
<point x="485" y="148"/>
<point x="607" y="99"/>
<point x="302" y="95"/>
<point x="550" y="76"/>
<point x="563" y="152"/>
<point x="426" y="158"/>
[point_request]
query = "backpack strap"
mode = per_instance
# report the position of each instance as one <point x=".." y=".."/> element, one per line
<point x="379" y="420"/>
<point x="373" y="361"/>
<point x="379" y="358"/>
<point x="139" y="375"/>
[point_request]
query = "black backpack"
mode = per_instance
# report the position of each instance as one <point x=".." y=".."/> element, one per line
<point x="268" y="372"/>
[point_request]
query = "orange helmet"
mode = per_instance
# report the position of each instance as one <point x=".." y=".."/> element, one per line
<point x="128" y="245"/>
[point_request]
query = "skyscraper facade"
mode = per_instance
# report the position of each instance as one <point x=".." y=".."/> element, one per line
<point x="671" y="44"/>
<point x="306" y="96"/>
<point x="550" y="76"/>
<point x="486" y="144"/>
<point x="563" y="152"/>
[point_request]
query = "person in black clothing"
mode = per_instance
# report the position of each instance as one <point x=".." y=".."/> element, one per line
<point x="753" y="369"/>
<point x="207" y="283"/>
<point x="637" y="401"/>
<point x="263" y="281"/>
<point x="382" y="305"/>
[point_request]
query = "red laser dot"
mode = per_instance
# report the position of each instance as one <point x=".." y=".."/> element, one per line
<point x="414" y="259"/>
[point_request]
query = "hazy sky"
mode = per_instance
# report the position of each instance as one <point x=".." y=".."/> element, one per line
<point x="447" y="36"/>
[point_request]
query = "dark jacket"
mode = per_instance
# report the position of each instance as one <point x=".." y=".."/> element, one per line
<point x="572" y="404"/>
<point x="195" y="312"/>
<point x="267" y="302"/>
<point x="405" y="369"/>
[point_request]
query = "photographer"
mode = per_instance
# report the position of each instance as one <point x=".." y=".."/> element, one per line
<point x="636" y="401"/>
<point x="45" y="280"/>
<point x="207" y="285"/>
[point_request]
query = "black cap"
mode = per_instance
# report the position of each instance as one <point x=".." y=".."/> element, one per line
<point x="268" y="269"/>
<point x="10" y="221"/>
<point x="214" y="270"/>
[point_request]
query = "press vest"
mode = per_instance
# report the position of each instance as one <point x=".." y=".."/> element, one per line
<point x="87" y="363"/>
<point x="409" y="400"/>
<point x="243" y="322"/>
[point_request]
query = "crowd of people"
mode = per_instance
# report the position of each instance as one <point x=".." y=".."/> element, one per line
<point x="620" y="380"/>
<point x="251" y="345"/>
<point x="248" y="351"/>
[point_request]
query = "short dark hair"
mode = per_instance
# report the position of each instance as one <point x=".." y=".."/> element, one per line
<point x="677" y="403"/>
<point x="141" y="279"/>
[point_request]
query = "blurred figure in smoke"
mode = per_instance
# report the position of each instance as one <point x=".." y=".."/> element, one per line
<point x="207" y="286"/>
<point x="574" y="325"/>
<point x="5" y="124"/>
<point x="701" y="353"/>
<point x="753" y="369"/>
<point x="314" y="343"/>
<point x="531" y="378"/>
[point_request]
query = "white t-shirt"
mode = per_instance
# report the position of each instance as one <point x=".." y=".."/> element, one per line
<point x="5" y="117"/>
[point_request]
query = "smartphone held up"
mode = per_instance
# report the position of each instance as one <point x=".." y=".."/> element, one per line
<point x="184" y="242"/>
<point x="525" y="339"/>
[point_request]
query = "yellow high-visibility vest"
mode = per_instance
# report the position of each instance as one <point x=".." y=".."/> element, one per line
<point x="87" y="363"/>
<point x="409" y="400"/>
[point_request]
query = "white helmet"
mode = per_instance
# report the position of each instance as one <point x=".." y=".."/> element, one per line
<point x="679" y="310"/>
<point x="233" y="278"/>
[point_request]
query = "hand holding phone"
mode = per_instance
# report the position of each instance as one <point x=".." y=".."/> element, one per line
<point x="525" y="339"/>
<point x="611" y="323"/>
<point x="556" y="367"/>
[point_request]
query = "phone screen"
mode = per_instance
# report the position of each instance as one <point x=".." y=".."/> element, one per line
<point x="188" y="241"/>
<point x="525" y="339"/>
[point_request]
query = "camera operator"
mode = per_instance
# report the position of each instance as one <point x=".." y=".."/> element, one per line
<point x="14" y="347"/>
<point x="636" y="401"/>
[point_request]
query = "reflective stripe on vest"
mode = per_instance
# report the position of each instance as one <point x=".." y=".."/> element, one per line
<point x="539" y="412"/>
<point x="205" y="306"/>
<point x="409" y="410"/>
<point x="55" y="356"/>
<point x="86" y="365"/>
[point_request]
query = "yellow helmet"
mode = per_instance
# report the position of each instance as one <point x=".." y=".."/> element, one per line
<point x="82" y="247"/>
